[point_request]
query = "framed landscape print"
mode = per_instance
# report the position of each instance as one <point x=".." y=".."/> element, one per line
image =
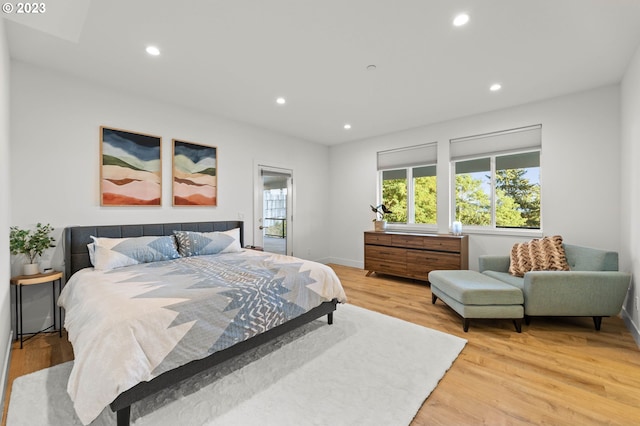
<point x="130" y="168"/>
<point x="195" y="170"/>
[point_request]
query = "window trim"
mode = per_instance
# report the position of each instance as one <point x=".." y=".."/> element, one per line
<point x="492" y="228"/>
<point x="408" y="158"/>
<point x="410" y="225"/>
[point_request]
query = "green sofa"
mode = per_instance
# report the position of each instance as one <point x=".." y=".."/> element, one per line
<point x="593" y="288"/>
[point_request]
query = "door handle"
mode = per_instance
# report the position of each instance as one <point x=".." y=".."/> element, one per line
<point x="261" y="227"/>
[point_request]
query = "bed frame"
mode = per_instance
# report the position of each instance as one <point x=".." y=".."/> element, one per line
<point x="77" y="257"/>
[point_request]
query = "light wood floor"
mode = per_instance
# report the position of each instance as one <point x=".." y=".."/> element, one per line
<point x="558" y="371"/>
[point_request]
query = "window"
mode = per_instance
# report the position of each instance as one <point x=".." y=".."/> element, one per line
<point x="518" y="190"/>
<point x="473" y="192"/>
<point x="274" y="211"/>
<point x="424" y="194"/>
<point x="394" y="194"/>
<point x="499" y="189"/>
<point x="408" y="184"/>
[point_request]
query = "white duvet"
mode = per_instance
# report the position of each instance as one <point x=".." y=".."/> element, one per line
<point x="131" y="324"/>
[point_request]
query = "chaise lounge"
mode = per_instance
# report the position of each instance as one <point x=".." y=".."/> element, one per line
<point x="473" y="296"/>
<point x="582" y="282"/>
<point x="593" y="287"/>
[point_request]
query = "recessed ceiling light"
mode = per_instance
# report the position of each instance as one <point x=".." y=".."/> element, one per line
<point x="461" y="20"/>
<point x="347" y="126"/>
<point x="495" y="87"/>
<point x="153" y="51"/>
<point x="281" y="101"/>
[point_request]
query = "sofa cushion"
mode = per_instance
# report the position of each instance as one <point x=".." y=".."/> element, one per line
<point x="544" y="254"/>
<point x="474" y="288"/>
<point x="506" y="277"/>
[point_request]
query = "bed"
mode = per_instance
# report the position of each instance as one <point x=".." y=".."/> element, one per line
<point x="124" y="320"/>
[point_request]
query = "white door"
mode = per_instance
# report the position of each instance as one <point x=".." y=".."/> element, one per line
<point x="273" y="209"/>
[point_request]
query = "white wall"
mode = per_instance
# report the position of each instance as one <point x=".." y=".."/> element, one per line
<point x="55" y="163"/>
<point x="579" y="172"/>
<point x="5" y="313"/>
<point x="55" y="155"/>
<point x="630" y="183"/>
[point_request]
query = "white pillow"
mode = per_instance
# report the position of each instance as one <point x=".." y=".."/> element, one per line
<point x="92" y="252"/>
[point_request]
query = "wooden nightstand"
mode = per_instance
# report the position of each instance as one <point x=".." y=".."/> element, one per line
<point x="22" y="280"/>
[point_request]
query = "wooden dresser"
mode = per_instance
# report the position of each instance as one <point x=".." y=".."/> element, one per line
<point x="414" y="255"/>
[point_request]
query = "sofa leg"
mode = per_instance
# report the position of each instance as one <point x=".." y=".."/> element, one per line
<point x="433" y="299"/>
<point x="465" y="324"/>
<point x="597" y="321"/>
<point x="518" y="324"/>
<point x="527" y="319"/>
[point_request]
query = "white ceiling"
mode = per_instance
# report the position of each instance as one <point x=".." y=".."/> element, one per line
<point x="234" y="57"/>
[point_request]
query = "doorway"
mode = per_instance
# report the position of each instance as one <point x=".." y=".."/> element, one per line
<point x="273" y="209"/>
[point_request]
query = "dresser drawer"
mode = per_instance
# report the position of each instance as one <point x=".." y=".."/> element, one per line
<point x="442" y="244"/>
<point x="409" y="241"/>
<point x="377" y="238"/>
<point x="421" y="275"/>
<point x="436" y="259"/>
<point x="383" y="253"/>
<point x="423" y="261"/>
<point x="385" y="267"/>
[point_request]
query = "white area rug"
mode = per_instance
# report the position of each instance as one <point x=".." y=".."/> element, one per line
<point x="365" y="369"/>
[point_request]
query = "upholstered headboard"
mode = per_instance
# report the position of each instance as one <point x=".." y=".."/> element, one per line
<point x="76" y="238"/>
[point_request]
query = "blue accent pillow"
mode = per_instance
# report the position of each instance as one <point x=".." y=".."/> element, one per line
<point x="200" y="243"/>
<point x="111" y="253"/>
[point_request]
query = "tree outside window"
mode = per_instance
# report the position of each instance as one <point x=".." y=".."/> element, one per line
<point x="518" y="190"/>
<point x="410" y="193"/>
<point x="515" y="181"/>
<point x="473" y="192"/>
<point x="425" y="195"/>
<point x="394" y="194"/>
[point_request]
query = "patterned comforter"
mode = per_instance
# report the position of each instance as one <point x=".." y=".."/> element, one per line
<point x="132" y="324"/>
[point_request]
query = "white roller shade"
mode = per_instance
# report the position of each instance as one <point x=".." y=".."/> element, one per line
<point x="284" y="173"/>
<point x="418" y="155"/>
<point x="492" y="143"/>
<point x="394" y="174"/>
<point x="522" y="160"/>
<point x="424" y="171"/>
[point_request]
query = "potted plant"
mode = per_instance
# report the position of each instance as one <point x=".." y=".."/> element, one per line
<point x="379" y="223"/>
<point x="31" y="243"/>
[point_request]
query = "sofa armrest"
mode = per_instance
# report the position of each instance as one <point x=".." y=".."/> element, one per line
<point x="575" y="293"/>
<point x="493" y="263"/>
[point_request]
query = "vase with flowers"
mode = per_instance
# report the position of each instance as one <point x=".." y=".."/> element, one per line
<point x="31" y="243"/>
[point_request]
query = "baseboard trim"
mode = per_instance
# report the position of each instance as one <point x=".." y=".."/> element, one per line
<point x="633" y="328"/>
<point x="5" y="372"/>
<point x="347" y="262"/>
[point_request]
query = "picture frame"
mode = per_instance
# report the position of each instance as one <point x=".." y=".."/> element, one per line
<point x="194" y="174"/>
<point x="130" y="168"/>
